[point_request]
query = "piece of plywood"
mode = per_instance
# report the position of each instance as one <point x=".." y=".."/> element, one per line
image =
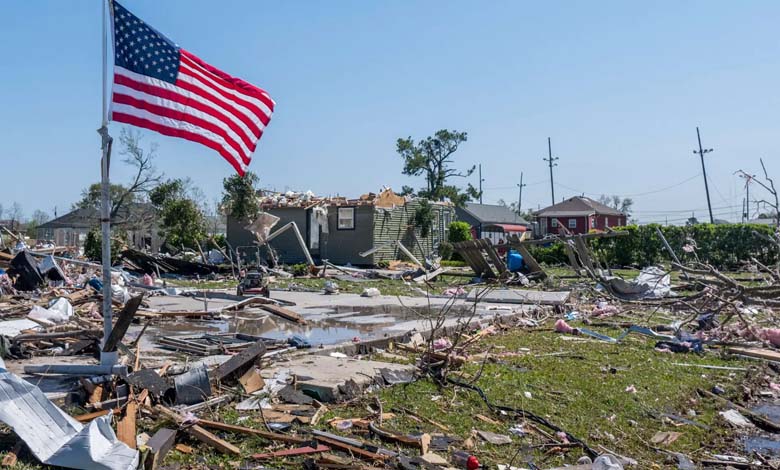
<point x="252" y="381"/>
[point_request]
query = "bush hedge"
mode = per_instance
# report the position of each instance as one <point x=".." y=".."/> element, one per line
<point x="726" y="246"/>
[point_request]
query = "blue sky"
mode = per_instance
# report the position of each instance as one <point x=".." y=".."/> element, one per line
<point x="619" y="86"/>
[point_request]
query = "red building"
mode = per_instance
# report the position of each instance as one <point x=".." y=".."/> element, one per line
<point x="579" y="215"/>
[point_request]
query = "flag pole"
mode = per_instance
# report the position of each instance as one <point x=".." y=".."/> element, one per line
<point x="106" y="358"/>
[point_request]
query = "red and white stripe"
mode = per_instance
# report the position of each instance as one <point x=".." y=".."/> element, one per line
<point x="205" y="105"/>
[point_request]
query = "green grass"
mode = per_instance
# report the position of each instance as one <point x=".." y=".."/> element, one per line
<point x="579" y="393"/>
<point x="577" y="385"/>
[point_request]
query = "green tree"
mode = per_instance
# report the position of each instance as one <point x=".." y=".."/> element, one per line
<point x="239" y="196"/>
<point x="433" y="158"/>
<point x="182" y="222"/>
<point x="93" y="245"/>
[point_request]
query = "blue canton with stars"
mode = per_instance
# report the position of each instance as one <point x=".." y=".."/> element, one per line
<point x="138" y="47"/>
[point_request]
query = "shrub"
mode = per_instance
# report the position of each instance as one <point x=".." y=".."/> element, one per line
<point x="724" y="246"/>
<point x="459" y="232"/>
<point x="300" y="269"/>
<point x="446" y="250"/>
<point x="93" y="245"/>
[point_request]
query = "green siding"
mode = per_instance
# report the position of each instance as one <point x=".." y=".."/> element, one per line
<point x="396" y="224"/>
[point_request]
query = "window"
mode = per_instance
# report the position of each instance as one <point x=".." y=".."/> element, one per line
<point x="572" y="223"/>
<point x="554" y="222"/>
<point x="606" y="221"/>
<point x="346" y="218"/>
<point x="594" y="222"/>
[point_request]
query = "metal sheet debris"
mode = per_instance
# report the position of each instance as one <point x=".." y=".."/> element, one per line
<point x="54" y="437"/>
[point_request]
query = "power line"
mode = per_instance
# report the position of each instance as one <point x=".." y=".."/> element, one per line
<point x="680" y="183"/>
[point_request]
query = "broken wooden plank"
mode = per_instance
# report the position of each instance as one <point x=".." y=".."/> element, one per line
<point x="122" y="323"/>
<point x="198" y="432"/>
<point x="238" y="363"/>
<point x="759" y="353"/>
<point x="159" y="445"/>
<point x="126" y="427"/>
<point x="292" y="452"/>
<point x="429" y="276"/>
<point x="271" y="436"/>
<point x="95" y="414"/>
<point x="352" y="449"/>
<point x="287" y="314"/>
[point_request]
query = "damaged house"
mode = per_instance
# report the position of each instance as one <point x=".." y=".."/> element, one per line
<point x="339" y="229"/>
<point x="137" y="220"/>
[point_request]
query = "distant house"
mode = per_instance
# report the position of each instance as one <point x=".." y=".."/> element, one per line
<point x="338" y="229"/>
<point x="578" y="214"/>
<point x="492" y="221"/>
<point x="71" y="229"/>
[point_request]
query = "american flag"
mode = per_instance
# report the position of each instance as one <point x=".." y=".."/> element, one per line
<point x="162" y="87"/>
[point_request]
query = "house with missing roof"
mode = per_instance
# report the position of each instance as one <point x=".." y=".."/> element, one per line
<point x="493" y="222"/>
<point x="343" y="230"/>
<point x="578" y="214"/>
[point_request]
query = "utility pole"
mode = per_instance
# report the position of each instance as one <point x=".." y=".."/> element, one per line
<point x="520" y="195"/>
<point x="480" y="183"/>
<point x="748" y="180"/>
<point x="701" y="153"/>
<point x="552" y="163"/>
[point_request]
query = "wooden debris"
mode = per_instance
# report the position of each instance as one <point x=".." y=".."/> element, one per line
<point x="284" y="313"/>
<point x="159" y="445"/>
<point x="272" y="436"/>
<point x="252" y="381"/>
<point x="239" y="362"/>
<point x="292" y="452"/>
<point x="184" y="449"/>
<point x="126" y="427"/>
<point x="122" y="323"/>
<point x="199" y="433"/>
<point x="12" y="456"/>
<point x="759" y="353"/>
<point x="352" y="449"/>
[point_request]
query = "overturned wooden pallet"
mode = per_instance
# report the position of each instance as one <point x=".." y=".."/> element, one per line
<point x="477" y="253"/>
<point x="484" y="260"/>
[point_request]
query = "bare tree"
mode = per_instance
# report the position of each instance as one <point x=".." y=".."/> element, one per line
<point x="15" y="214"/>
<point x="769" y="185"/>
<point x="146" y="176"/>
